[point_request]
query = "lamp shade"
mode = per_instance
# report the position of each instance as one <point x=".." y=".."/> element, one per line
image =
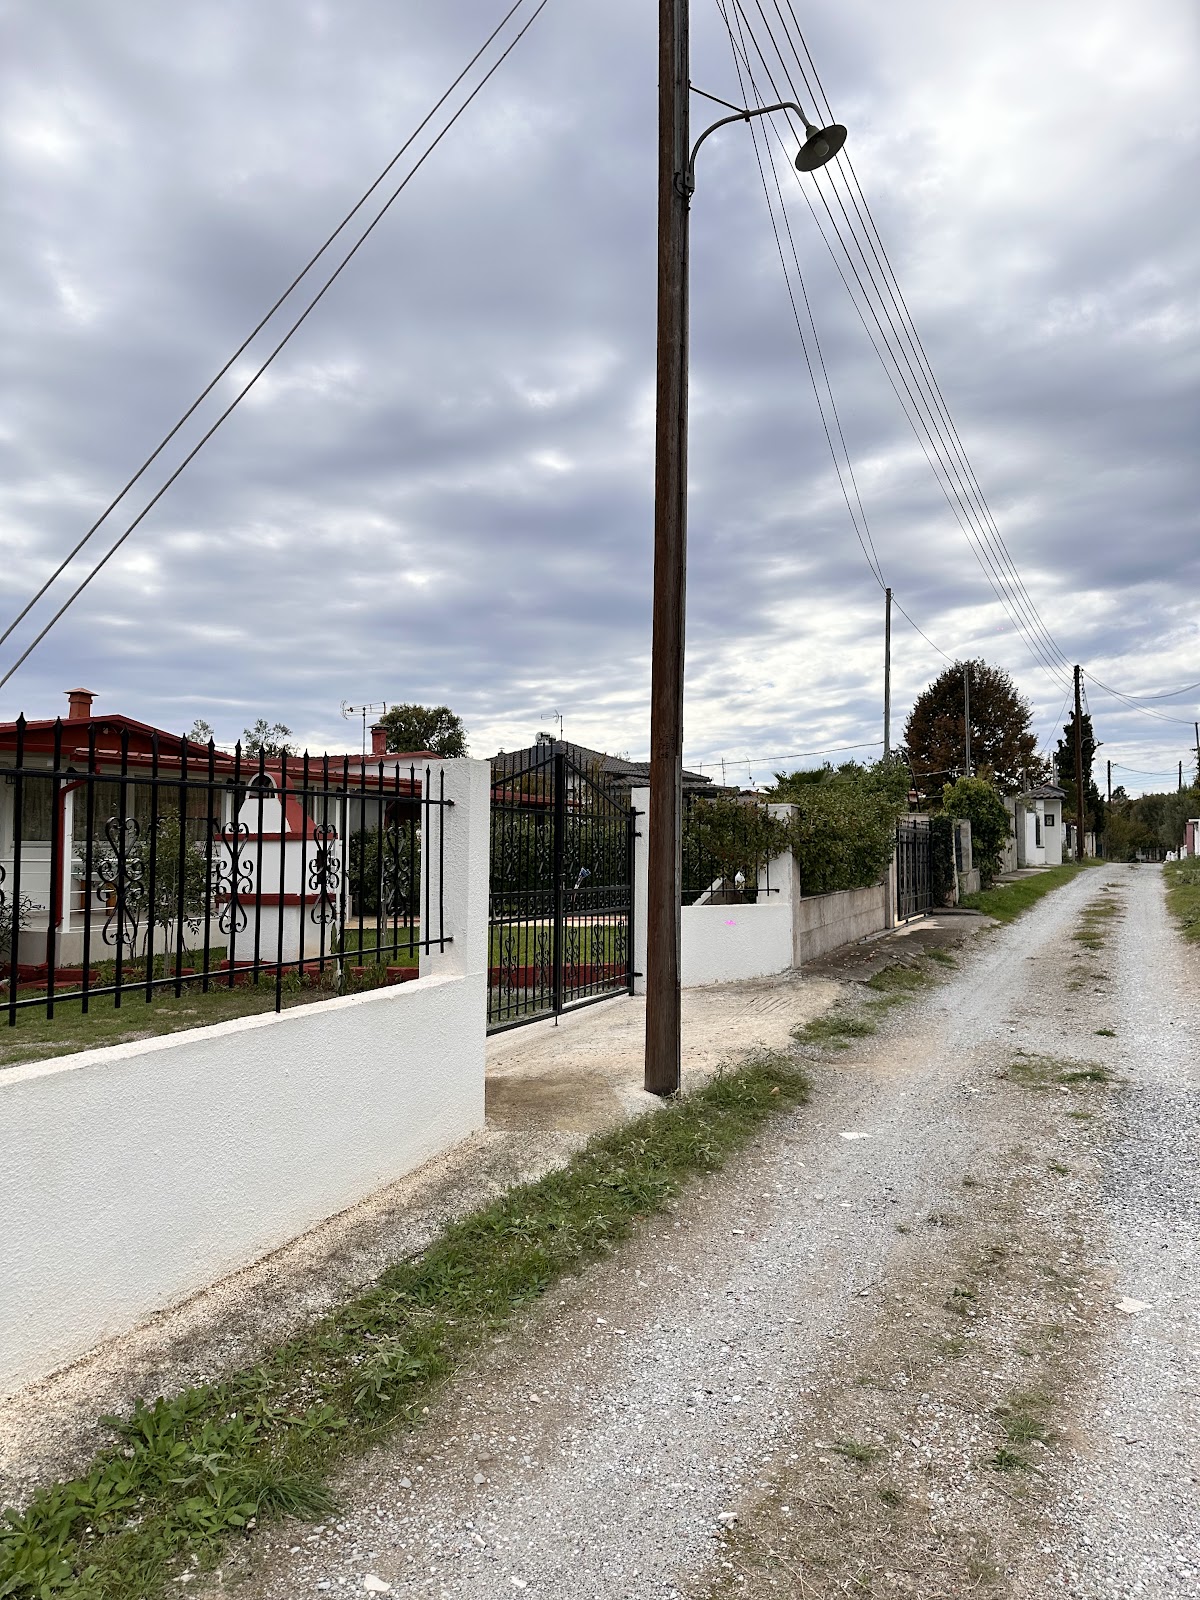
<point x="820" y="147"/>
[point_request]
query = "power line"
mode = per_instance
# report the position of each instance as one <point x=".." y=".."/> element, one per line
<point x="345" y="261"/>
<point x="796" y="755"/>
<point x="957" y="473"/>
<point x="926" y="426"/>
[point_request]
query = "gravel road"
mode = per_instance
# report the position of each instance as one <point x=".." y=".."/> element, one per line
<point x="1130" y="1522"/>
<point x="613" y="1445"/>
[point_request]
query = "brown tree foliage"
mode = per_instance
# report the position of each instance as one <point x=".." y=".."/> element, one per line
<point x="1002" y="738"/>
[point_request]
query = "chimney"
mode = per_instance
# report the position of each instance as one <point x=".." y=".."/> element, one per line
<point x="79" y="704"/>
<point x="378" y="739"/>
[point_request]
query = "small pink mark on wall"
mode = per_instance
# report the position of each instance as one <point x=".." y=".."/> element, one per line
<point x="730" y="923"/>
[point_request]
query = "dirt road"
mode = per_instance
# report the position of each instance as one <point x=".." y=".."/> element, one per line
<point x="880" y="1354"/>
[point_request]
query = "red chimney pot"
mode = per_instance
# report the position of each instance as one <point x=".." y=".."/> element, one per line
<point x="378" y="739"/>
<point x="79" y="704"/>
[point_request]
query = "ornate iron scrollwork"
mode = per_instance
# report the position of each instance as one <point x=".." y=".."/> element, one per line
<point x="233" y="877"/>
<point x="325" y="874"/>
<point x="119" y="881"/>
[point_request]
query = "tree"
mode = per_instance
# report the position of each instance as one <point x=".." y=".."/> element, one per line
<point x="1002" y="737"/>
<point x="1064" y="767"/>
<point x="982" y="804"/>
<point x="269" y="739"/>
<point x="434" y="728"/>
<point x="201" y="732"/>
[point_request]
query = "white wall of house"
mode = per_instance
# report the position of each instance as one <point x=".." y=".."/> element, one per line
<point x="134" y="1175"/>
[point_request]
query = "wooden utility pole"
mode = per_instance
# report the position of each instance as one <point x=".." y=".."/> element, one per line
<point x="662" y="1068"/>
<point x="1078" y="766"/>
<point x="967" y="714"/>
<point x="887" y="677"/>
<point x="1181" y="777"/>
<point x="1196" y="726"/>
<point x="1110" y="783"/>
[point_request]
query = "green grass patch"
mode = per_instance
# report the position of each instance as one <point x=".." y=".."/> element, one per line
<point x="942" y="957"/>
<point x="1050" y="1072"/>
<point x="1182" y="879"/>
<point x="1106" y="1033"/>
<point x="1007" y="901"/>
<point x="854" y="1450"/>
<point x="187" y="1473"/>
<point x="835" y="1028"/>
<point x="899" y="979"/>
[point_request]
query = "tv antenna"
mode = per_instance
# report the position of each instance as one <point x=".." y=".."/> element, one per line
<point x="557" y="717"/>
<point x="364" y="712"/>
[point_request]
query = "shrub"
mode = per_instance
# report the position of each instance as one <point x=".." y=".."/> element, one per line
<point x="980" y="802"/>
<point x="843" y="826"/>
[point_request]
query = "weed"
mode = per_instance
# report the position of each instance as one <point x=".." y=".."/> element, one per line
<point x="898" y="979"/>
<point x="1006" y="1460"/>
<point x="962" y="1299"/>
<point x="188" y="1472"/>
<point x="1091" y="1073"/>
<point x="1049" y="1072"/>
<point x="942" y="957"/>
<point x="942" y="1219"/>
<point x="891" y="1496"/>
<point x="854" y="1450"/>
<point x="1022" y="1419"/>
<point x="1059" y="1168"/>
<point x="970" y="1182"/>
<point x="1106" y="1033"/>
<point x="835" y="1027"/>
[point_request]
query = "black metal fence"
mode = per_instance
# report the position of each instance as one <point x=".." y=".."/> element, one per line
<point x="726" y="850"/>
<point x="561" y="897"/>
<point x="133" y="864"/>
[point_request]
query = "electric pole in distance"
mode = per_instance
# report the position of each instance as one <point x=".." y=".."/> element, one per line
<point x="967" y="715"/>
<point x="1078" y="767"/>
<point x="887" y="676"/>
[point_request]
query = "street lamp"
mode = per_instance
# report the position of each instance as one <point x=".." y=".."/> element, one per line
<point x="676" y="182"/>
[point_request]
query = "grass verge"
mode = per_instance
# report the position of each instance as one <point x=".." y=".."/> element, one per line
<point x="1183" y="895"/>
<point x="1007" y="901"/>
<point x="188" y="1473"/>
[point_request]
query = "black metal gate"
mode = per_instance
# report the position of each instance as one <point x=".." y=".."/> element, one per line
<point x="561" y="902"/>
<point x="914" y="867"/>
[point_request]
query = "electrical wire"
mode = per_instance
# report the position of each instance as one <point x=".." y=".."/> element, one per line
<point x="347" y="258"/>
<point x="980" y="527"/>
<point x="797" y="755"/>
<point x="255" y="331"/>
<point x="924" y="424"/>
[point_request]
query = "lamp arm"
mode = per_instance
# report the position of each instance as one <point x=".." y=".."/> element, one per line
<point x="689" y="179"/>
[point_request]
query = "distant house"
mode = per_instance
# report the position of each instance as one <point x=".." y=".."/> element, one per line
<point x="1037" y="827"/>
<point x="614" y="772"/>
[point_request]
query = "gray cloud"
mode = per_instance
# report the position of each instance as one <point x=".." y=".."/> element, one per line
<point x="443" y="488"/>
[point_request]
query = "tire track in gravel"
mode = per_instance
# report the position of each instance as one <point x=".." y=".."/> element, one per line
<point x="603" y="1449"/>
<point x="1129" y="1523"/>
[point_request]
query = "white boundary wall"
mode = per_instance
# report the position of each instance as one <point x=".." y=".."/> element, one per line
<point x="134" y="1175"/>
<point x="718" y="944"/>
<point x="722" y="944"/>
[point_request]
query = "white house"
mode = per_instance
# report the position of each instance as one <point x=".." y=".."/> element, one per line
<point x="1037" y="828"/>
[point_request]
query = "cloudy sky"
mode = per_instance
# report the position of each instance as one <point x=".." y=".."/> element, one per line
<point x="442" y="489"/>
